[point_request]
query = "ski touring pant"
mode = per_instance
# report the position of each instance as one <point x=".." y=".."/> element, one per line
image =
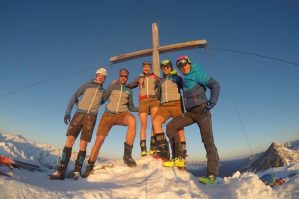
<point x="205" y="125"/>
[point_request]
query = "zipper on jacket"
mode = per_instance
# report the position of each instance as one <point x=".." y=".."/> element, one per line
<point x="166" y="95"/>
<point x="93" y="99"/>
<point x="147" y="87"/>
<point x="121" y="90"/>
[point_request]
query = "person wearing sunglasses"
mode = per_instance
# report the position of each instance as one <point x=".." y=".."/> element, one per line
<point x="120" y="102"/>
<point x="148" y="102"/>
<point x="198" y="107"/>
<point x="170" y="107"/>
<point x="88" y="98"/>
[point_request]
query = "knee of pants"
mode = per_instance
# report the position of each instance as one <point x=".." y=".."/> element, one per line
<point x="171" y="131"/>
<point x="211" y="149"/>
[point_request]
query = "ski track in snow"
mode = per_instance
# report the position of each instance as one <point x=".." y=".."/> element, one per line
<point x="148" y="180"/>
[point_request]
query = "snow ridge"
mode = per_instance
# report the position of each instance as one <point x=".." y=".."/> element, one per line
<point x="113" y="179"/>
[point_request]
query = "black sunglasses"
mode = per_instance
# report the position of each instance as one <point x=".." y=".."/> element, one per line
<point x="182" y="63"/>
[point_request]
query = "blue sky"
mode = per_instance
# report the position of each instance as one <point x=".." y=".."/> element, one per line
<point x="43" y="40"/>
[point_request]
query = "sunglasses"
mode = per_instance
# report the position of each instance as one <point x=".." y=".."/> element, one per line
<point x="182" y="63"/>
<point x="125" y="76"/>
<point x="165" y="67"/>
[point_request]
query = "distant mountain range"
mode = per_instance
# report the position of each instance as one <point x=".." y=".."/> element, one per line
<point x="277" y="155"/>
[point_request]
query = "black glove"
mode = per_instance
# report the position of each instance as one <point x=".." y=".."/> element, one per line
<point x="67" y="119"/>
<point x="206" y="109"/>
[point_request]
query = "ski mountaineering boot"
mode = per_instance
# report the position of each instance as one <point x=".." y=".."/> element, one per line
<point x="59" y="173"/>
<point x="128" y="160"/>
<point x="177" y="156"/>
<point x="143" y="148"/>
<point x="152" y="146"/>
<point x="184" y="150"/>
<point x="211" y="179"/>
<point x="79" y="162"/>
<point x="170" y="162"/>
<point x="89" y="169"/>
<point x="162" y="148"/>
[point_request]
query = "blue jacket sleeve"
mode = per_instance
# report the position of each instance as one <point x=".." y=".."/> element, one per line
<point x="75" y="98"/>
<point x="157" y="82"/>
<point x="131" y="106"/>
<point x="214" y="86"/>
<point x="159" y="90"/>
<point x="180" y="82"/>
<point x="107" y="93"/>
<point x="134" y="83"/>
<point x="103" y="98"/>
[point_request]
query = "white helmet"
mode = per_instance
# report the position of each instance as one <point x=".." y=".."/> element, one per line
<point x="102" y="71"/>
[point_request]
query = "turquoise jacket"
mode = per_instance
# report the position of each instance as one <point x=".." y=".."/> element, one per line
<point x="195" y="84"/>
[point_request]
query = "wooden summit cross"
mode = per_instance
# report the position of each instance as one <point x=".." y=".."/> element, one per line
<point x="158" y="49"/>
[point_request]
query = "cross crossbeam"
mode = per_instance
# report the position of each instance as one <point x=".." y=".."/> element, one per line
<point x="157" y="49"/>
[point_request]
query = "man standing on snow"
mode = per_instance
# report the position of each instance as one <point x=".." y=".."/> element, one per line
<point x="198" y="108"/>
<point x="84" y="120"/>
<point x="120" y="102"/>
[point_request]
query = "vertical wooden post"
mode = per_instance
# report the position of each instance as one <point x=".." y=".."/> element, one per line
<point x="156" y="57"/>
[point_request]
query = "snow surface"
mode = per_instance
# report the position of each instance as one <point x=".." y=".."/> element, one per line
<point x="112" y="179"/>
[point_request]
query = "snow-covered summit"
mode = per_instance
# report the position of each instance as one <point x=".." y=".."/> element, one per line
<point x="112" y="179"/>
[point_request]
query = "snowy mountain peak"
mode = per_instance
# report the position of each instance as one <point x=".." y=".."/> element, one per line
<point x="277" y="155"/>
<point x="18" y="148"/>
<point x="15" y="138"/>
<point x="276" y="145"/>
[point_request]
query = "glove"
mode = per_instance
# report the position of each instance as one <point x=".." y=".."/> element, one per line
<point x="206" y="109"/>
<point x="67" y="119"/>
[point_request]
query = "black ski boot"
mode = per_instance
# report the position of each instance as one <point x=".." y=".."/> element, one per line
<point x="59" y="174"/>
<point x="128" y="160"/>
<point x="143" y="148"/>
<point x="89" y="169"/>
<point x="79" y="163"/>
<point x="152" y="145"/>
<point x="177" y="157"/>
<point x="172" y="146"/>
<point x="162" y="147"/>
<point x="183" y="145"/>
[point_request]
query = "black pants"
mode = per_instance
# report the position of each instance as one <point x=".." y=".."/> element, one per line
<point x="205" y="125"/>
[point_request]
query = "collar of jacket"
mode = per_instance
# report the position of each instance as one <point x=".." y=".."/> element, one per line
<point x="144" y="75"/>
<point x="118" y="83"/>
<point x="173" y="72"/>
<point x="94" y="81"/>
